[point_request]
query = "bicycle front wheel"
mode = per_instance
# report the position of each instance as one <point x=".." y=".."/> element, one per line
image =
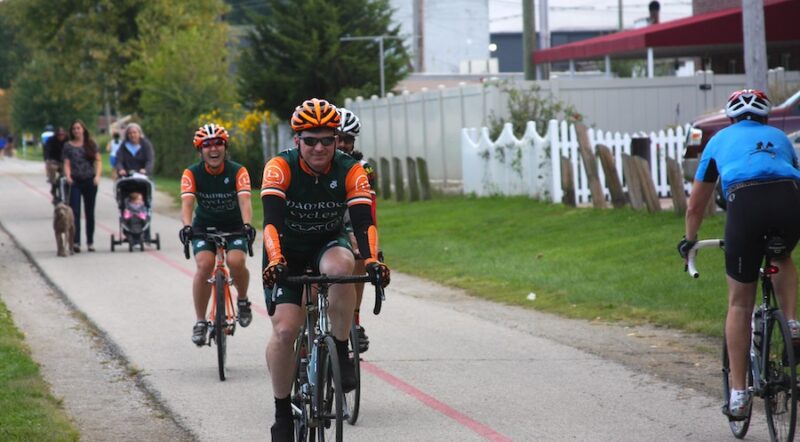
<point x="220" y="322"/>
<point x="739" y="427"/>
<point x="352" y="399"/>
<point x="780" y="398"/>
<point x="328" y="398"/>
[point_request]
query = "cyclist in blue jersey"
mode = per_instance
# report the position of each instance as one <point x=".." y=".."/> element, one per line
<point x="761" y="183"/>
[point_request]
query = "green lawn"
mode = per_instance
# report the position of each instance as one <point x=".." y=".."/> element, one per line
<point x="28" y="412"/>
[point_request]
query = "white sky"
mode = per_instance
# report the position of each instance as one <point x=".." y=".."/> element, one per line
<point x="506" y="15"/>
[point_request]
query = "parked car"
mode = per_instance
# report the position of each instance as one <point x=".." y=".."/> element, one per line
<point x="785" y="116"/>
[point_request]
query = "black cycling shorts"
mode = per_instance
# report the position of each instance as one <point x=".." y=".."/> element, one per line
<point x="756" y="210"/>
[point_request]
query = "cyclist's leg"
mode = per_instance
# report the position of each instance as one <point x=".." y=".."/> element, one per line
<point x="785" y="283"/>
<point x="201" y="289"/>
<point x="741" y="298"/>
<point x="286" y="322"/>
<point x="339" y="260"/>
<point x="239" y="272"/>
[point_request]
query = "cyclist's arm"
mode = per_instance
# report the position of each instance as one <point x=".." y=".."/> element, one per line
<point x="243" y="195"/>
<point x="188" y="189"/>
<point x="360" y="205"/>
<point x="698" y="200"/>
<point x="274" y="184"/>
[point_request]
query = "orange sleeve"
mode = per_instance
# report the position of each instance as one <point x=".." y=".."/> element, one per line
<point x="242" y="181"/>
<point x="357" y="186"/>
<point x="188" y="184"/>
<point x="277" y="177"/>
<point x="272" y="243"/>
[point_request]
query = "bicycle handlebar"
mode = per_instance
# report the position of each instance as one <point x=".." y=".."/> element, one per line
<point x="690" y="259"/>
<point x="211" y="235"/>
<point x="380" y="295"/>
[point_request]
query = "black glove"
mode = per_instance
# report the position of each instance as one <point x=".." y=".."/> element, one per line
<point x="185" y="234"/>
<point x="378" y="270"/>
<point x="250" y="232"/>
<point x="380" y="256"/>
<point x="684" y="246"/>
<point x="275" y="272"/>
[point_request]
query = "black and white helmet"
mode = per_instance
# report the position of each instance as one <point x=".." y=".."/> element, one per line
<point x="748" y="101"/>
<point x="350" y="124"/>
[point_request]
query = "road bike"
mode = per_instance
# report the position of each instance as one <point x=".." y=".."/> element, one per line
<point x="318" y="406"/>
<point x="223" y="315"/>
<point x="772" y="373"/>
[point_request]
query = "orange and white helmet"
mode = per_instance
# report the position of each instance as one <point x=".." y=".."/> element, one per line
<point x="313" y="114"/>
<point x="748" y="101"/>
<point x="209" y="132"/>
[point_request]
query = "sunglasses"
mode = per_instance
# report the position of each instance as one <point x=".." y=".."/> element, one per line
<point x="214" y="142"/>
<point x="312" y="141"/>
<point x="349" y="139"/>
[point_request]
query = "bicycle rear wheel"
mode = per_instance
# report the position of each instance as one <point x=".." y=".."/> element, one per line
<point x="328" y="399"/>
<point x="738" y="427"/>
<point x="780" y="398"/>
<point x="352" y="399"/>
<point x="220" y="322"/>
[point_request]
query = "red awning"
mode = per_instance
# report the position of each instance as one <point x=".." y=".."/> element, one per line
<point x="683" y="37"/>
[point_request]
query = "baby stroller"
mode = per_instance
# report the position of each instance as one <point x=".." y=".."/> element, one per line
<point x="134" y="219"/>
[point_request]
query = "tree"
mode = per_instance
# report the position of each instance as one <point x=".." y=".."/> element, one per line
<point x="172" y="98"/>
<point x="39" y="96"/>
<point x="295" y="52"/>
<point x="14" y="51"/>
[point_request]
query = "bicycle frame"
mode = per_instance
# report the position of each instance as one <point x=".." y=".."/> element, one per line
<point x="230" y="313"/>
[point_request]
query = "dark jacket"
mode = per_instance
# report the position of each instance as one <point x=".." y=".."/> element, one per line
<point x="143" y="159"/>
<point x="53" y="149"/>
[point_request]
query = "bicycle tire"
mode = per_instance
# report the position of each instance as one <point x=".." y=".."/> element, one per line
<point x="780" y="398"/>
<point x="219" y="322"/>
<point x="328" y="397"/>
<point x="738" y="427"/>
<point x="299" y="414"/>
<point x="352" y="402"/>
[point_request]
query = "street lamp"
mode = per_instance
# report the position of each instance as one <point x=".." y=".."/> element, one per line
<point x="379" y="39"/>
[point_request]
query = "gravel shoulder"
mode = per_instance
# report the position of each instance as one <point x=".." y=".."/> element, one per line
<point x="107" y="400"/>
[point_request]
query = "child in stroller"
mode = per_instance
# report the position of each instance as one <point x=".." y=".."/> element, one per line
<point x="134" y="198"/>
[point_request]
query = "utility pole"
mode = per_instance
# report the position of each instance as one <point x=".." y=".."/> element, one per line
<point x="419" y="35"/>
<point x="619" y="12"/>
<point x="379" y="39"/>
<point x="544" y="36"/>
<point x="528" y="38"/>
<point x="755" y="46"/>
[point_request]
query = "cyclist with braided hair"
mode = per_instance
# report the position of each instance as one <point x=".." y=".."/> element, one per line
<point x="306" y="192"/>
<point x="761" y="182"/>
<point x="221" y="189"/>
<point x="346" y="142"/>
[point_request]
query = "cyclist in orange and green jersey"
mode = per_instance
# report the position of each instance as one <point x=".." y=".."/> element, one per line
<point x="346" y="142"/>
<point x="221" y="189"/>
<point x="306" y="192"/>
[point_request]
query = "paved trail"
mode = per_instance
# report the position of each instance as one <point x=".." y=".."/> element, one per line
<point x="443" y="366"/>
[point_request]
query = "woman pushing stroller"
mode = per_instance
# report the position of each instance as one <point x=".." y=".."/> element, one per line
<point x="136" y="153"/>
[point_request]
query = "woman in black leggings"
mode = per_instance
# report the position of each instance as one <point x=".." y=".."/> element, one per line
<point x="82" y="167"/>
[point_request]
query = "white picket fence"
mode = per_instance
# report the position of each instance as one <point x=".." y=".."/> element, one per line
<point x="531" y="165"/>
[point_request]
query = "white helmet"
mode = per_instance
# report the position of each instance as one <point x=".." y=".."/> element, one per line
<point x="745" y="101"/>
<point x="350" y="124"/>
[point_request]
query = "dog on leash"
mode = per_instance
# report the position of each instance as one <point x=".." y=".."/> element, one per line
<point x="64" y="228"/>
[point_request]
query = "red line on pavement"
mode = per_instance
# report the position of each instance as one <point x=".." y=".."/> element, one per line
<point x="434" y="403"/>
<point x="464" y="420"/>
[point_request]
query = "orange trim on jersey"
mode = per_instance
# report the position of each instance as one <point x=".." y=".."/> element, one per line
<point x="242" y="181"/>
<point x="188" y="183"/>
<point x="307" y="169"/>
<point x="272" y="243"/>
<point x="211" y="171"/>
<point x="357" y="186"/>
<point x="277" y="177"/>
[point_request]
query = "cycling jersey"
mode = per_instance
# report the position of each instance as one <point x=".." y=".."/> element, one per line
<point x="216" y="194"/>
<point x="748" y="151"/>
<point x="315" y="204"/>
